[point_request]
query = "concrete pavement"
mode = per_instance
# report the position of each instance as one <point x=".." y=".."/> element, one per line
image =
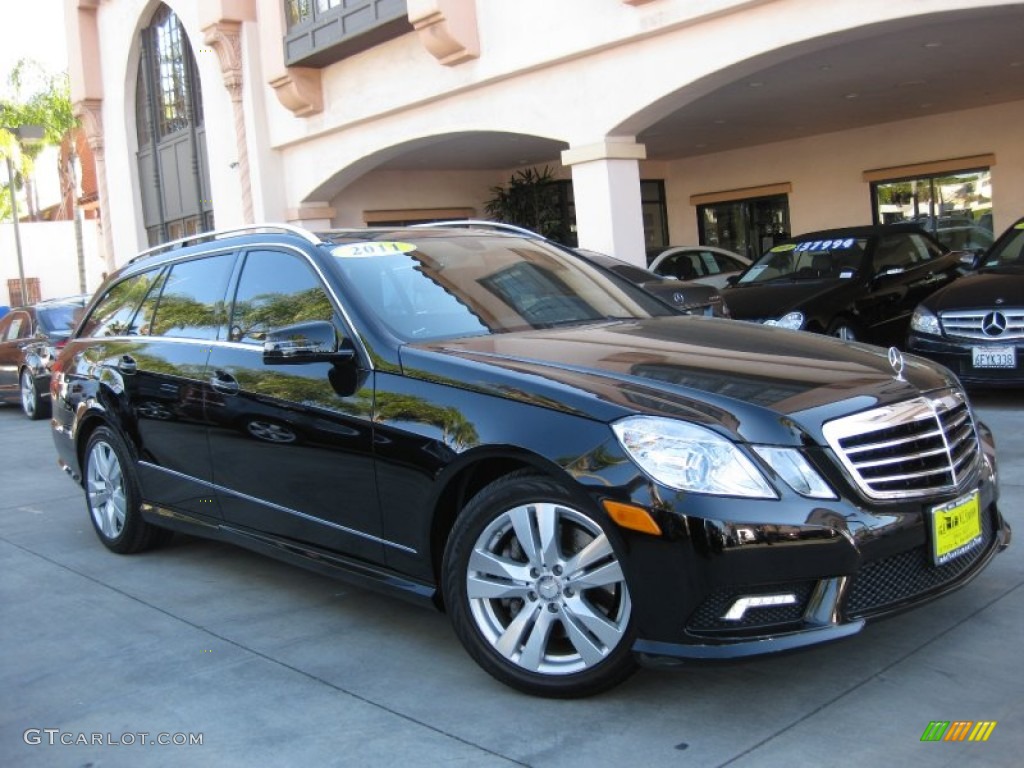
<point x="270" y="665"/>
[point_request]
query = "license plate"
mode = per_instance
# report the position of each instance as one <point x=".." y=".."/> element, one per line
<point x="956" y="528"/>
<point x="994" y="357"/>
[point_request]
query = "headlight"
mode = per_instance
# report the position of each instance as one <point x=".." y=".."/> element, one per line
<point x="796" y="471"/>
<point x="792" y="320"/>
<point x="925" y="321"/>
<point x="690" y="458"/>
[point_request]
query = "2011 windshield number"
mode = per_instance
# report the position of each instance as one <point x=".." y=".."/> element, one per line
<point x="364" y="250"/>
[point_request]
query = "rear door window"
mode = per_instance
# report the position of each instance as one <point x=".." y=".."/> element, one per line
<point x="191" y="304"/>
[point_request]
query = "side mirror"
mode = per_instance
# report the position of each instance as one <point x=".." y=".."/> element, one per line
<point x="890" y="271"/>
<point x="732" y="280"/>
<point x="970" y="260"/>
<point x="312" y="342"/>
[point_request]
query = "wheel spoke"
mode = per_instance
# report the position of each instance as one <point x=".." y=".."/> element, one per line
<point x="590" y="652"/>
<point x="510" y="640"/>
<point x="523" y="524"/>
<point x="580" y="614"/>
<point x="547" y="529"/>
<point x="107" y="520"/>
<point x="597" y="550"/>
<point x="103" y="459"/>
<point x="604" y="576"/>
<point x="493" y="577"/>
<point x="536" y="644"/>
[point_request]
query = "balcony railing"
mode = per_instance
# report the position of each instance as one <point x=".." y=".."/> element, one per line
<point x="321" y="32"/>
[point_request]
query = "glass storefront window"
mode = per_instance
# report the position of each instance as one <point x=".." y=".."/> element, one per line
<point x="747" y="227"/>
<point x="955" y="207"/>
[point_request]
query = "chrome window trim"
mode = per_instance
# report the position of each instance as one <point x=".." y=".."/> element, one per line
<point x="280" y="508"/>
<point x="339" y="306"/>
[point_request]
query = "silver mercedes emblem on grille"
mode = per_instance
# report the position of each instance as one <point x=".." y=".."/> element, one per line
<point x="993" y="324"/>
<point x="896" y="361"/>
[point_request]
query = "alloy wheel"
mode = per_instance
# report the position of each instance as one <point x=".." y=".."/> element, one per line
<point x="105" y="490"/>
<point x="546" y="590"/>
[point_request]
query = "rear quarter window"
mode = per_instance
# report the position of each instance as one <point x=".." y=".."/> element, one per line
<point x="192" y="304"/>
<point x="114" y="314"/>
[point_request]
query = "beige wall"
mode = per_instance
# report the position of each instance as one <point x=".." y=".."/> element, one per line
<point x="397" y="190"/>
<point x="49" y="252"/>
<point x="826" y="171"/>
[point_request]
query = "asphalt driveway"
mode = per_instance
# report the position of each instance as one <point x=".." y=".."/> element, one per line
<point x="128" y="661"/>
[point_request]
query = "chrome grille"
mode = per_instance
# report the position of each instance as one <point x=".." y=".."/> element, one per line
<point x="984" y="324"/>
<point x="919" y="447"/>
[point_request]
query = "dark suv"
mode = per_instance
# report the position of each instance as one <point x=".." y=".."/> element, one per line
<point x="580" y="476"/>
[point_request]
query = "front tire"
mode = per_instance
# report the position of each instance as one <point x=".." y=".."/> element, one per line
<point x="32" y="404"/>
<point x="536" y="592"/>
<point x="112" y="495"/>
<point x="843" y="329"/>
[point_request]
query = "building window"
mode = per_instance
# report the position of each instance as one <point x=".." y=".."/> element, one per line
<point x="749" y="227"/>
<point x="321" y="32"/>
<point x="652" y="202"/>
<point x="955" y="206"/>
<point x="169" y="125"/>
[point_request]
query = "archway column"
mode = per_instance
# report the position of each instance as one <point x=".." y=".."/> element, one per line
<point x="606" y="190"/>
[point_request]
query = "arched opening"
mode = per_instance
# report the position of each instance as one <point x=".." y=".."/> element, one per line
<point x="172" y="160"/>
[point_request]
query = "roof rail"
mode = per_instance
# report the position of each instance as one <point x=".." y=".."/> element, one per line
<point x="202" y="237"/>
<point x="498" y="226"/>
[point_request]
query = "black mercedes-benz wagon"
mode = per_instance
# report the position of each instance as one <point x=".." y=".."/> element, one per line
<point x="579" y="476"/>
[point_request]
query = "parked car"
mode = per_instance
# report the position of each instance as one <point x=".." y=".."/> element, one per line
<point x="976" y="325"/>
<point x="581" y="477"/>
<point x="856" y="283"/>
<point x="29" y="338"/>
<point x="708" y="264"/>
<point x="688" y="297"/>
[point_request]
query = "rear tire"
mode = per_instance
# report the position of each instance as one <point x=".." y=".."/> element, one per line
<point x="536" y="592"/>
<point x="33" y="406"/>
<point x="112" y="495"/>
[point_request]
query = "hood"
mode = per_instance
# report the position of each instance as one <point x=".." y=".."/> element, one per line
<point x="756" y="383"/>
<point x="758" y="301"/>
<point x="987" y="289"/>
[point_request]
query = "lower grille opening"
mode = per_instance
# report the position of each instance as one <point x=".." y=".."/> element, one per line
<point x="886" y="583"/>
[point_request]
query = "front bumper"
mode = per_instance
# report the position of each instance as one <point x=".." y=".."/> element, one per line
<point x="825" y="609"/>
<point x="957" y="356"/>
<point x="731" y="578"/>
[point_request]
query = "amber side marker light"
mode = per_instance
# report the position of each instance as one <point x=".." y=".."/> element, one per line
<point x="632" y="517"/>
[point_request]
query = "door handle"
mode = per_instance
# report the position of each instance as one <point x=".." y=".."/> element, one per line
<point x="126" y="364"/>
<point x="224" y="382"/>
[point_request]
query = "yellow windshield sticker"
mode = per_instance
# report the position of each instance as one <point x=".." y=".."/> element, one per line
<point x="367" y="250"/>
<point x="784" y="247"/>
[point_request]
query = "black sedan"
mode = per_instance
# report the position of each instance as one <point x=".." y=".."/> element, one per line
<point x="29" y="338"/>
<point x="976" y="325"/>
<point x="857" y="283"/>
<point x="690" y="298"/>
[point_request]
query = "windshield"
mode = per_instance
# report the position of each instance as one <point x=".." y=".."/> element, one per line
<point x="1009" y="249"/>
<point x="468" y="285"/>
<point x="809" y="260"/>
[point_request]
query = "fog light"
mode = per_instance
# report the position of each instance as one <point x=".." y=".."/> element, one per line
<point x="739" y="608"/>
